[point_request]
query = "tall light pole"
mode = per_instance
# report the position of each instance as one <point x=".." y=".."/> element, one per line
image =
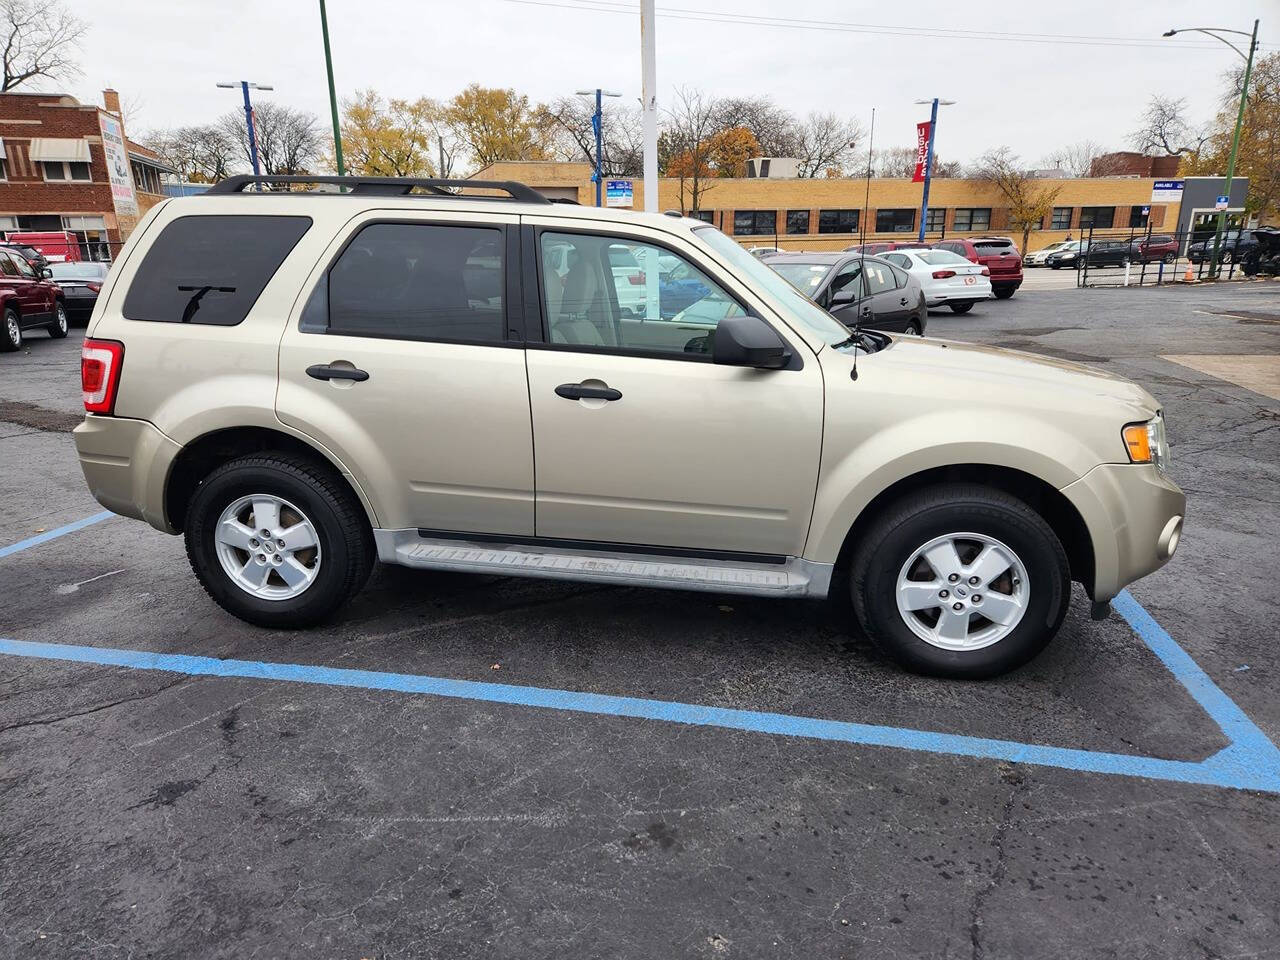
<point x="245" y="86"/>
<point x="928" y="160"/>
<point x="333" y="97"/>
<point x="649" y="104"/>
<point x="597" y="125"/>
<point x="1235" y="139"/>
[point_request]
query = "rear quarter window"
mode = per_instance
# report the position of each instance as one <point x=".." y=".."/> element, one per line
<point x="211" y="269"/>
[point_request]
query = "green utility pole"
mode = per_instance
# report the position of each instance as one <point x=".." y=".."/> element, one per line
<point x="333" y="97"/>
<point x="1235" y="149"/>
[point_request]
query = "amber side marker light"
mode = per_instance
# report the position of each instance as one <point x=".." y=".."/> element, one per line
<point x="1137" y="440"/>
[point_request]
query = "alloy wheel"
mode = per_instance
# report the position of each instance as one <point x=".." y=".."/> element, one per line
<point x="267" y="547"/>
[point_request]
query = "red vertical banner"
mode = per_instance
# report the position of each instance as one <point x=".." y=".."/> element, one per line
<point x="922" y="151"/>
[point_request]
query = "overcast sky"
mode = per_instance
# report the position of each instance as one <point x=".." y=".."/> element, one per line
<point x="1030" y="95"/>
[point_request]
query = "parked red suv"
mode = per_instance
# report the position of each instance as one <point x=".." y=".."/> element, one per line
<point x="1158" y="246"/>
<point x="27" y="300"/>
<point x="997" y="254"/>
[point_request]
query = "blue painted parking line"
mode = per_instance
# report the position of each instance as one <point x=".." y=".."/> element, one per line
<point x="1250" y="761"/>
<point x="48" y="535"/>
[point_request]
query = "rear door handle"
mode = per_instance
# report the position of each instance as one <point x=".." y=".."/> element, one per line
<point x="580" y="391"/>
<point x="326" y="371"/>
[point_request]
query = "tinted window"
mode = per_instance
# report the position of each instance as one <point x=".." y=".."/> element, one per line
<point x="1061" y="219"/>
<point x="1138" y="215"/>
<point x="849" y="278"/>
<point x="1097" y="217"/>
<point x="798" y="221"/>
<point x="973" y="218"/>
<point x="992" y="248"/>
<point x="78" y="271"/>
<point x="755" y="222"/>
<point x="419" y="281"/>
<point x="895" y="221"/>
<point x="663" y="304"/>
<point x="838" y="221"/>
<point x="24" y="267"/>
<point x="7" y="265"/>
<point x="210" y="270"/>
<point x="935" y="219"/>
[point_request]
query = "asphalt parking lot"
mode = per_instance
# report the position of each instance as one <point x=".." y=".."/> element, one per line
<point x="1118" y="797"/>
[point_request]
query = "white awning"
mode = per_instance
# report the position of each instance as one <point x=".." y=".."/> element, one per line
<point x="72" y="151"/>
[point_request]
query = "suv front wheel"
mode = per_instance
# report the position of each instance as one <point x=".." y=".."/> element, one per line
<point x="960" y="581"/>
<point x="277" y="540"/>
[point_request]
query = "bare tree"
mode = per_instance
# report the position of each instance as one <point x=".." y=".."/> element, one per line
<point x="825" y="142"/>
<point x="899" y="163"/>
<point x="40" y="38"/>
<point x="1077" y="159"/>
<point x="691" y="124"/>
<point x="773" y="127"/>
<point x="1166" y="130"/>
<point x="289" y="141"/>
<point x="621" y="134"/>
<point x="1029" y="199"/>
<point x="203" y="153"/>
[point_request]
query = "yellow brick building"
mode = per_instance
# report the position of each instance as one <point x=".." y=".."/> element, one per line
<point x="822" y="214"/>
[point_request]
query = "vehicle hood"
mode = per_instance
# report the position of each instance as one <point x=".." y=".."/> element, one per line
<point x="1019" y="379"/>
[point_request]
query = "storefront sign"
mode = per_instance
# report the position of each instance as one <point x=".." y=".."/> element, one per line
<point x="1166" y="191"/>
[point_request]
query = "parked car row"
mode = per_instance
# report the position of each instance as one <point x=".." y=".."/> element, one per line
<point x="38" y="294"/>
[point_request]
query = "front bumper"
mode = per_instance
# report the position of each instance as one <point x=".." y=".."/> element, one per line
<point x="126" y="463"/>
<point x="1134" y="515"/>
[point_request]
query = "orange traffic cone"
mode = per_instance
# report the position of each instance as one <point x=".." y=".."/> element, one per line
<point x="1188" y="277"/>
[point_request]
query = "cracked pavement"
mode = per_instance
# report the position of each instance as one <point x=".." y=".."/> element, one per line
<point x="148" y="814"/>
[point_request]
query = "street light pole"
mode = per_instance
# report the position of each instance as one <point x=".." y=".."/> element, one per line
<point x="1235" y="137"/>
<point x="928" y="160"/>
<point x="597" y="125"/>
<point x="333" y="97"/>
<point x="245" y="86"/>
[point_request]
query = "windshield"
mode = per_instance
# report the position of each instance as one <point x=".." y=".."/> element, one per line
<point x="77" y="271"/>
<point x="805" y="277"/>
<point x="797" y="306"/>
<point x="939" y="257"/>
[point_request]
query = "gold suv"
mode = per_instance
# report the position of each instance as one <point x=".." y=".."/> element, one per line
<point x="301" y="380"/>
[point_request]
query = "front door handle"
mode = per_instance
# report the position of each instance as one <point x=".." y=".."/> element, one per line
<point x="580" y="391"/>
<point x="327" y="371"/>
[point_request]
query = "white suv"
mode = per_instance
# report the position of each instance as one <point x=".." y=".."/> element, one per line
<point x="301" y="381"/>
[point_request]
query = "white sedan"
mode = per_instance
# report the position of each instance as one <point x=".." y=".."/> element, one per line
<point x="947" y="278"/>
<point x="1038" y="258"/>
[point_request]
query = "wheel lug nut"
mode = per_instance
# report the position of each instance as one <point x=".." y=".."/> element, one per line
<point x="957" y="605"/>
<point x="977" y="598"/>
<point x="276" y="558"/>
<point x="954" y="577"/>
<point x="280" y="544"/>
<point x="944" y="594"/>
<point x="266" y="534"/>
<point x="253" y="543"/>
<point x="262" y="558"/>
<point x="973" y="580"/>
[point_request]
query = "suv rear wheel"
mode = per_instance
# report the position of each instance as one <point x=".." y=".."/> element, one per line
<point x="58" y="328"/>
<point x="963" y="307"/>
<point x="10" y="331"/>
<point x="277" y="540"/>
<point x="960" y="581"/>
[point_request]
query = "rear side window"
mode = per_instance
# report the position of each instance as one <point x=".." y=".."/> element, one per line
<point x="211" y="270"/>
<point x="419" y="281"/>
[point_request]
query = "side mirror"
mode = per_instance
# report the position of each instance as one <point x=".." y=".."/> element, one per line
<point x="748" y="341"/>
<point x="842" y="298"/>
<point x="46" y="273"/>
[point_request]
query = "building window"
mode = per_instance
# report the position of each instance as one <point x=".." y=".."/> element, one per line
<point x="65" y="170"/>
<point x="1097" y="217"/>
<point x="1061" y="219"/>
<point x="838" y="221"/>
<point x="4" y="169"/>
<point x="754" y="223"/>
<point x="896" y="221"/>
<point x="798" y="221"/>
<point x="706" y="216"/>
<point x="972" y="218"/>
<point x="1138" y="215"/>
<point x="8" y="223"/>
<point x="935" y="220"/>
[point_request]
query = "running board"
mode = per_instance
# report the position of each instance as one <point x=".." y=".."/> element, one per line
<point x="794" y="577"/>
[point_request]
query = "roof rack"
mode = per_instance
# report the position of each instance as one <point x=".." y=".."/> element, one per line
<point x="384" y="186"/>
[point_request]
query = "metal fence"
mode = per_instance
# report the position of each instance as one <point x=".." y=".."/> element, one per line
<point x="1137" y="257"/>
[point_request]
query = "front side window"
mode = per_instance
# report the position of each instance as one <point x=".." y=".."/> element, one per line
<point x="973" y="218"/>
<point x="8" y="267"/>
<point x="419" y="281"/>
<point x="848" y="280"/>
<point x="798" y="221"/>
<point x="1097" y="217"/>
<point x="614" y="293"/>
<point x="748" y="223"/>
<point x="210" y="269"/>
<point x="896" y="221"/>
<point x="1061" y="219"/>
<point x="838" y="221"/>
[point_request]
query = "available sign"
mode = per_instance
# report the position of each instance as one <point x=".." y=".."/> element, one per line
<point x="922" y="150"/>
<point x="618" y="193"/>
<point x="1167" y="191"/>
<point x="118" y="173"/>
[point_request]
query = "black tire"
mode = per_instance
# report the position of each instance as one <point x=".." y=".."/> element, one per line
<point x="1055" y="266"/>
<point x="1170" y="257"/>
<point x="961" y="307"/>
<point x="1003" y="293"/>
<point x="913" y="329"/>
<point x="10" y="331"/>
<point x="58" y="329"/>
<point x="346" y="540"/>
<point x="910" y="523"/>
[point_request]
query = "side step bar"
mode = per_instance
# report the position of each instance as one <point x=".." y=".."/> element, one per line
<point x="795" y="577"/>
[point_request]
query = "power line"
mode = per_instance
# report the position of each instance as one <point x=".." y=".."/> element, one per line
<point x="841" y="26"/>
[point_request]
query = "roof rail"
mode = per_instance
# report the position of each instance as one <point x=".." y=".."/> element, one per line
<point x="382" y="186"/>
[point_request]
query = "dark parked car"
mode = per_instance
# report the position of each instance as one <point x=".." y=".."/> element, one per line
<point x="997" y="254"/>
<point x="80" y="282"/>
<point x="1235" y="246"/>
<point x="27" y="301"/>
<point x="1109" y="253"/>
<point x="1158" y="246"/>
<point x="28" y="253"/>
<point x="857" y="289"/>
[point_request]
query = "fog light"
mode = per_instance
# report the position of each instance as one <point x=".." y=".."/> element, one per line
<point x="1170" y="537"/>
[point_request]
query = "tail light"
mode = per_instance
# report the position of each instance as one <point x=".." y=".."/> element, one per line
<point x="100" y="362"/>
<point x="95" y="287"/>
<point x="636" y="279"/>
<point x="986" y="272"/>
<point x="943" y="274"/>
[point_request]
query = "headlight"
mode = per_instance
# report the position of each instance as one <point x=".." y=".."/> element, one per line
<point x="1147" y="442"/>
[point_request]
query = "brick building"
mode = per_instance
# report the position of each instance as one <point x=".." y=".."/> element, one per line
<point x="827" y="214"/>
<point x="66" y="165"/>
<point x="1126" y="163"/>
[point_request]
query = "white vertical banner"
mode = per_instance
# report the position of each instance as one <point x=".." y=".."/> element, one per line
<point x="118" y="171"/>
